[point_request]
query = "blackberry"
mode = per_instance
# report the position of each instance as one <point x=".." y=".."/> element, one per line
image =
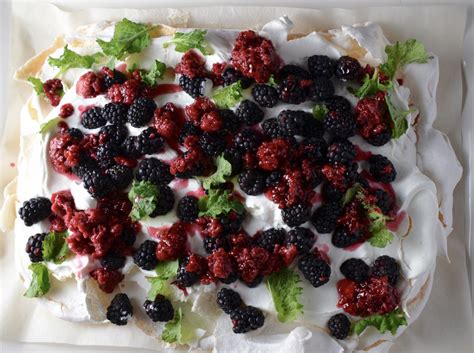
<point x="247" y="318"/>
<point x="75" y="133"/>
<point x="114" y="133"/>
<point x="384" y="201"/>
<point x="247" y="140"/>
<point x="112" y="261"/>
<point x="184" y="277"/>
<point x="105" y="154"/>
<point x="228" y="300"/>
<point x="35" y="210"/>
<point x="342" y="238"/>
<point x="113" y="77"/>
<point x="188" y="129"/>
<point x="128" y="236"/>
<point x="230" y="121"/>
<point x="321" y="66"/>
<point x="339" y="326"/>
<point x="271" y="128"/>
<point x="347" y="68"/>
<point x="273" y="178"/>
<point x="34" y="247"/>
<point x="341" y="152"/>
<point x="321" y="89"/>
<point x="296" y="215"/>
<point x="356" y="270"/>
<point x="120" y="175"/>
<point x="234" y="157"/>
<point x="188" y="209"/>
<point x="149" y="141"/>
<point x="331" y="193"/>
<point x="382" y="169"/>
<point x="340" y="124"/>
<point x="93" y="118"/>
<point x="312" y="127"/>
<point x="119" y="310"/>
<point x="252" y="181"/>
<point x="325" y="217"/>
<point x="115" y="113"/>
<point x="153" y="170"/>
<point x="362" y="181"/>
<point x="255" y="283"/>
<point x="130" y="147"/>
<point x="294" y="70"/>
<point x="212" y="244"/>
<point x="290" y="90"/>
<point x="145" y="255"/>
<point x="231" y="278"/>
<point x="97" y="184"/>
<point x="212" y="144"/>
<point x="315" y="148"/>
<point x="160" y="309"/>
<point x="314" y="269"/>
<point x="231" y="75"/>
<point x="141" y="111"/>
<point x="302" y="238"/>
<point x="270" y="237"/>
<point x="232" y="222"/>
<point x="249" y="113"/>
<point x="165" y="201"/>
<point x="293" y="122"/>
<point x="192" y="86"/>
<point x="86" y="163"/>
<point x="338" y="104"/>
<point x="380" y="139"/>
<point x="386" y="266"/>
<point x="266" y="96"/>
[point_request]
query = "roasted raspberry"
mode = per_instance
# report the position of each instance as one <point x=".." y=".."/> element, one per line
<point x="35" y="210"/>
<point x="356" y="270"/>
<point x="189" y="164"/>
<point x="266" y="96"/>
<point x="382" y="169"/>
<point x="211" y="122"/>
<point x="247" y="140"/>
<point x="34" y="247"/>
<point x="66" y="110"/>
<point x="325" y="217"/>
<point x="145" y="256"/>
<point x="106" y="279"/>
<point x="384" y="200"/>
<point x="153" y="170"/>
<point x="386" y="266"/>
<point x="92" y="118"/>
<point x="321" y="89"/>
<point x="231" y="75"/>
<point x="113" y="133"/>
<point x="149" y="141"/>
<point x="120" y="175"/>
<point x="246" y="319"/>
<point x="192" y="86"/>
<point x="222" y="265"/>
<point x="293" y="122"/>
<point x="342" y="238"/>
<point x="321" y="66"/>
<point x="97" y="184"/>
<point x="340" y="124"/>
<point x="141" y="112"/>
<point x="126" y="92"/>
<point x="111" y="77"/>
<point x="341" y="152"/>
<point x="270" y="237"/>
<point x="112" y="261"/>
<point x="120" y="310"/>
<point x="339" y="175"/>
<point x="302" y="238"/>
<point x="234" y="157"/>
<point x="271" y="128"/>
<point x="314" y="269"/>
<point x="196" y="110"/>
<point x="293" y="70"/>
<point x="188" y="209"/>
<point x="228" y="300"/>
<point x="212" y="144"/>
<point x="296" y="215"/>
<point x="372" y="119"/>
<point x="165" y="201"/>
<point x="314" y="148"/>
<point x="160" y="309"/>
<point x="115" y="113"/>
<point x="172" y="243"/>
<point x="338" y="104"/>
<point x="252" y="182"/>
<point x="273" y="155"/>
<point x="347" y="68"/>
<point x="191" y="65"/>
<point x="339" y="326"/>
<point x="89" y="85"/>
<point x="291" y="90"/>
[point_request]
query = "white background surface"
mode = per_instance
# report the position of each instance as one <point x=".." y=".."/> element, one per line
<point x="467" y="126"/>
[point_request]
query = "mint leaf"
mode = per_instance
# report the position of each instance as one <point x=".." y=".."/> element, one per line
<point x="39" y="285"/>
<point x="129" y="37"/>
<point x="158" y="286"/>
<point x="156" y="72"/>
<point x="37" y="85"/>
<point x="400" y="123"/>
<point x="47" y="126"/>
<point x="167" y="269"/>
<point x="271" y="81"/>
<point x="320" y="111"/>
<point x="189" y="40"/>
<point x="285" y="289"/>
<point x="70" y="59"/>
<point x="351" y="193"/>
<point x="372" y="85"/>
<point x="218" y="202"/>
<point x="403" y="53"/>
<point x="144" y="196"/>
<point x="383" y="323"/>
<point x="178" y="330"/>
<point x="224" y="168"/>
<point x="229" y="96"/>
<point x="381" y="236"/>
<point x="55" y="247"/>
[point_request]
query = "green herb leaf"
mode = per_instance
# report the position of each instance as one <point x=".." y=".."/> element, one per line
<point x="111" y="63"/>
<point x="143" y="196"/>
<point x="39" y="285"/>
<point x="383" y="323"/>
<point x="400" y="123"/>
<point x="381" y="236"/>
<point x="178" y="330"/>
<point x="37" y="85"/>
<point x="224" y="168"/>
<point x="218" y="202"/>
<point x="320" y="111"/>
<point x="285" y="289"/>
<point x="70" y="59"/>
<point x="47" y="126"/>
<point x="55" y="247"/>
<point x="351" y="193"/>
<point x="372" y="85"/>
<point x="271" y="81"/>
<point x="167" y="269"/>
<point x="403" y="53"/>
<point x="189" y="40"/>
<point x="229" y="96"/>
<point x="129" y="37"/>
<point x="156" y="72"/>
<point x="158" y="286"/>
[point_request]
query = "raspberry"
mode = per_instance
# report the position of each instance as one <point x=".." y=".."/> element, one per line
<point x="212" y="244"/>
<point x="372" y="119"/>
<point x="290" y="90"/>
<point x="302" y="238"/>
<point x="340" y="124"/>
<point x="119" y="310"/>
<point x="35" y="210"/>
<point x="167" y="121"/>
<point x="230" y="121"/>
<point x="339" y="326"/>
<point x="321" y="66"/>
<point x="115" y="113"/>
<point x="184" y="277"/>
<point x="384" y="200"/>
<point x="314" y="148"/>
<point x="228" y="300"/>
<point x="271" y="128"/>
<point x="165" y="201"/>
<point x="293" y="122"/>
<point x="97" y="184"/>
<point x="192" y="86"/>
<point x="273" y="154"/>
<point x="342" y="238"/>
<point x="296" y="215"/>
<point x="113" y="133"/>
<point x="355" y="269"/>
<point x="247" y="140"/>
<point x="386" y="266"/>
<point x="120" y="175"/>
<point x="172" y="243"/>
<point x="266" y="96"/>
<point x="314" y="269"/>
<point x="270" y="237"/>
<point x="231" y="75"/>
<point x="222" y="266"/>
<point x="293" y="70"/>
<point x="325" y="217"/>
<point x="211" y="122"/>
<point x="160" y="309"/>
<point x="66" y="110"/>
<point x="141" y="112"/>
<point x="125" y="93"/>
<point x="212" y="144"/>
<point x="347" y="68"/>
<point x="107" y="280"/>
<point x="93" y="118"/>
<point x="247" y="318"/>
<point x="321" y="89"/>
<point x="338" y="104"/>
<point x="339" y="175"/>
<point x="189" y="164"/>
<point x="34" y="247"/>
<point x="112" y="261"/>
<point x="145" y="256"/>
<point x="105" y="154"/>
<point x="111" y="77"/>
<point x="149" y="141"/>
<point x="89" y="85"/>
<point x="234" y="157"/>
<point x="191" y="65"/>
<point x="188" y="209"/>
<point x="382" y="169"/>
<point x="196" y="110"/>
<point x="341" y="152"/>
<point x="249" y="113"/>
<point x="153" y="170"/>
<point x="252" y="182"/>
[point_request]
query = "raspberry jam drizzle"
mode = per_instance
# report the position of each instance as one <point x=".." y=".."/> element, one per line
<point x="165" y="88"/>
<point x="362" y="155"/>
<point x="395" y="223"/>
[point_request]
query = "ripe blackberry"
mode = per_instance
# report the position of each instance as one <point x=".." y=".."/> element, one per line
<point x="290" y="90"/>
<point x="314" y="269"/>
<point x="234" y="157"/>
<point x="232" y="222"/>
<point x="321" y="89"/>
<point x="270" y="237"/>
<point x="114" y="133"/>
<point x="35" y="210"/>
<point x="331" y="193"/>
<point x="212" y="144"/>
<point x="386" y="266"/>
<point x="75" y="133"/>
<point x="249" y="113"/>
<point x="86" y="163"/>
<point x="188" y="209"/>
<point x="188" y="129"/>
<point x="112" y="77"/>
<point x="296" y="215"/>
<point x="312" y="127"/>
<point x="228" y="300"/>
<point x="149" y="141"/>
<point x="153" y="170"/>
<point x="212" y="244"/>
<point x="112" y="261"/>
<point x="342" y="238"/>
<point x="34" y="247"/>
<point x="97" y="184"/>
<point x="230" y="121"/>
<point x="230" y="279"/>
<point x="294" y="70"/>
<point x="315" y="148"/>
<point x="339" y="326"/>
<point x="120" y="175"/>
<point x="347" y="68"/>
<point x="382" y="169"/>
<point x="338" y="104"/>
<point x="252" y="181"/>
<point x="356" y="270"/>
<point x="115" y="113"/>
<point x="255" y="283"/>
<point x="340" y="124"/>
<point x="231" y="75"/>
<point x="321" y="66"/>
<point x="160" y="309"/>
<point x="105" y="154"/>
<point x="384" y="201"/>
<point x="192" y="86"/>
<point x="184" y="277"/>
<point x="293" y="122"/>
<point x="247" y="318"/>
<point x="92" y="118"/>
<point x="247" y="140"/>
<point x="266" y="96"/>
<point x="128" y="236"/>
<point x="141" y="112"/>
<point x="120" y="310"/>
<point x="165" y="201"/>
<point x="380" y="139"/>
<point x="145" y="255"/>
<point x="271" y="128"/>
<point x="325" y="217"/>
<point x="302" y="238"/>
<point x="273" y="178"/>
<point x="341" y="152"/>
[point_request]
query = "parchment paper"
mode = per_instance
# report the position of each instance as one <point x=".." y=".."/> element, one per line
<point x="446" y="323"/>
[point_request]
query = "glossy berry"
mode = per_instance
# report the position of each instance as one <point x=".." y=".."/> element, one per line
<point x="293" y="70"/>
<point x="160" y="309"/>
<point x="247" y="318"/>
<point x="265" y="95"/>
<point x="149" y="141"/>
<point x="34" y="247"/>
<point x="325" y="217"/>
<point x="145" y="256"/>
<point x="231" y="75"/>
<point x="115" y="113"/>
<point x="105" y="154"/>
<point x="339" y="326"/>
<point x="273" y="178"/>
<point x="141" y="112"/>
<point x="165" y="201"/>
<point x="271" y="128"/>
<point x="296" y="215"/>
<point x="212" y="144"/>
<point x="302" y="238"/>
<point x="314" y="148"/>
<point x="120" y="175"/>
<point x="230" y="121"/>
<point x="342" y="238"/>
<point x="249" y="113"/>
<point x="321" y="66"/>
<point x="130" y="147"/>
<point x="111" y="77"/>
<point x="186" y="278"/>
<point x="188" y="129"/>
<point x="112" y="261"/>
<point x="232" y="222"/>
<point x="228" y="300"/>
<point x="192" y="86"/>
<point x="293" y="122"/>
<point x="291" y="91"/>
<point x="347" y="68"/>
<point x="340" y="124"/>
<point x="321" y="89"/>
<point x="35" y="210"/>
<point x="355" y="269"/>
<point x="380" y="139"/>
<point x="386" y="266"/>
<point x="338" y="104"/>
<point x="384" y="200"/>
<point x="92" y="118"/>
<point x="341" y="152"/>
<point x="97" y="184"/>
<point x="212" y="244"/>
<point x="382" y="169"/>
<point x="247" y="140"/>
<point x="314" y="269"/>
<point x="154" y="171"/>
<point x="120" y="310"/>
<point x="252" y="181"/>
<point x="234" y="157"/>
<point x="270" y="237"/>
<point x="115" y="134"/>
<point x="188" y="209"/>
